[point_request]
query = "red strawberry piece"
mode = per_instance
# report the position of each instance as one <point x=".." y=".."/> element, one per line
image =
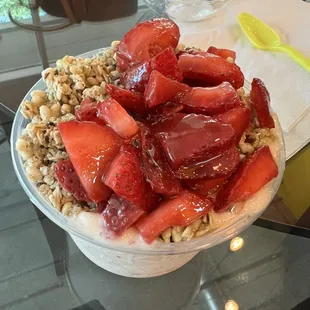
<point x="221" y="165"/>
<point x="191" y="138"/>
<point x="91" y="148"/>
<point x="239" y="118"/>
<point x="255" y="171"/>
<point x="204" y="187"/>
<point x="136" y="78"/>
<point x="210" y="69"/>
<point x="86" y="101"/>
<point x="161" y="89"/>
<point x="179" y="211"/>
<point x="117" y="118"/>
<point x="211" y="100"/>
<point x="163" y="112"/>
<point x="154" y="165"/>
<point x="260" y="103"/>
<point x="166" y="63"/>
<point x="129" y="100"/>
<point x="222" y="52"/>
<point x="87" y="111"/>
<point x="69" y="180"/>
<point x="120" y="215"/>
<point x="125" y="177"/>
<point x="101" y="206"/>
<point x="146" y="40"/>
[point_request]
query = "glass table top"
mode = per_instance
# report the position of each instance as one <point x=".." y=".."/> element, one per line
<point x="41" y="267"/>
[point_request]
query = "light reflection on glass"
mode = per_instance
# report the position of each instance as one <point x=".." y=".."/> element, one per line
<point x="231" y="305"/>
<point x="236" y="244"/>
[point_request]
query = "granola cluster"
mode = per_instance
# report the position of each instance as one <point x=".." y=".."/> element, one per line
<point x="40" y="146"/>
<point x="72" y="80"/>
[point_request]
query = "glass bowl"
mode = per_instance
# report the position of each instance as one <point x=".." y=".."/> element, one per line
<point x="186" y="10"/>
<point x="132" y="260"/>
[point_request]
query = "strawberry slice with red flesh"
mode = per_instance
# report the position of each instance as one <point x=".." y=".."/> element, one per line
<point x="117" y="118"/>
<point x="204" y="187"/>
<point x="69" y="180"/>
<point x="87" y="111"/>
<point x="146" y="40"/>
<point x="163" y="112"/>
<point x="239" y="118"/>
<point x="210" y="69"/>
<point x="222" y="52"/>
<point x="129" y="100"/>
<point x="179" y="211"/>
<point x="255" y="171"/>
<point x="211" y="100"/>
<point x="221" y="165"/>
<point x="260" y="100"/>
<point x="161" y="89"/>
<point x="136" y="78"/>
<point x="191" y="138"/>
<point x="87" y="100"/>
<point x="91" y="148"/>
<point x="125" y="178"/>
<point x="155" y="167"/>
<point x="120" y="215"/>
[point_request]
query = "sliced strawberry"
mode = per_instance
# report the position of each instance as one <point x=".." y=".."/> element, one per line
<point x="117" y="118"/>
<point x="86" y="101"/>
<point x="126" y="179"/>
<point x="129" y="100"/>
<point x="239" y="118"/>
<point x="146" y="40"/>
<point x="161" y="89"/>
<point x="166" y="63"/>
<point x="204" y="187"/>
<point x="222" y="52"/>
<point x="211" y="100"/>
<point x="260" y="99"/>
<point x="221" y="165"/>
<point x="179" y="211"/>
<point x="101" y="206"/>
<point x="191" y="138"/>
<point x="155" y="167"/>
<point x="119" y="215"/>
<point x="136" y="78"/>
<point x="87" y="111"/>
<point x="163" y="112"/>
<point x="69" y="180"/>
<point x="91" y="148"/>
<point x="211" y="69"/>
<point x="255" y="171"/>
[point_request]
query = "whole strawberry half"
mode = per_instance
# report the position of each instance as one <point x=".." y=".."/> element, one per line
<point x="91" y="148"/>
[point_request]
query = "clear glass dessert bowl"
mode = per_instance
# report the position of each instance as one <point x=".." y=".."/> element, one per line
<point x="138" y="259"/>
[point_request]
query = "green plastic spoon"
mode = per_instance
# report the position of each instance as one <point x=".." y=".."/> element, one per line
<point x="265" y="38"/>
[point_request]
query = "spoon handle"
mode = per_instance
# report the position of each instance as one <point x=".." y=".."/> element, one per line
<point x="296" y="55"/>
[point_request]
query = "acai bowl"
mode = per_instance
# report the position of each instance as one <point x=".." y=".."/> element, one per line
<point x="148" y="152"/>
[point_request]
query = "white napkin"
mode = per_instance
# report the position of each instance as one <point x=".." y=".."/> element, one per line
<point x="287" y="82"/>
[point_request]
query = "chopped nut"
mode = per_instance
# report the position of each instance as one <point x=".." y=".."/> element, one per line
<point x="177" y="233"/>
<point x="166" y="235"/>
